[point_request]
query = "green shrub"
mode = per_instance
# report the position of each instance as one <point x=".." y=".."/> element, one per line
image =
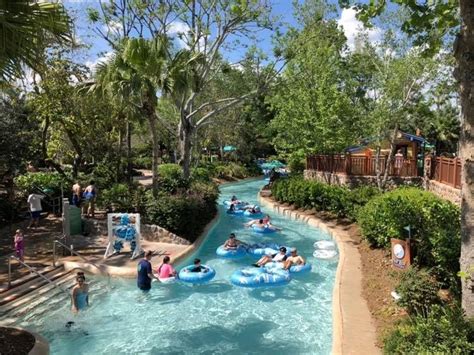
<point x="358" y="198"/>
<point x="441" y="331"/>
<point x="435" y="227"/>
<point x="185" y="214"/>
<point x="117" y="198"/>
<point x="104" y="174"/>
<point x="50" y="182"/>
<point x="142" y="162"/>
<point x="418" y="290"/>
<point x="231" y="170"/>
<point x="297" y="163"/>
<point x="200" y="174"/>
<point x="171" y="178"/>
<point x="340" y="201"/>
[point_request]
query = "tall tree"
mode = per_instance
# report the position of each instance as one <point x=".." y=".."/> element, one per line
<point x="26" y="26"/>
<point x="314" y="111"/>
<point x="132" y="77"/>
<point x="205" y="28"/>
<point x="428" y="24"/>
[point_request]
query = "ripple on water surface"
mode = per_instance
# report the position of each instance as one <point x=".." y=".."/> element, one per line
<point x="217" y="318"/>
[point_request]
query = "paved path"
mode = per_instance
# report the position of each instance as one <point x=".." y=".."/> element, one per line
<point x="145" y="179"/>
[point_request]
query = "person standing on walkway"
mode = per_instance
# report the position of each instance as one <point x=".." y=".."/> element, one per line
<point x="90" y="194"/>
<point x="34" y="200"/>
<point x="145" y="272"/>
<point x="19" y="241"/>
<point x="76" y="194"/>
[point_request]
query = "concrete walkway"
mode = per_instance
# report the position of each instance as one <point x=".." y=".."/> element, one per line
<point x="121" y="264"/>
<point x="353" y="327"/>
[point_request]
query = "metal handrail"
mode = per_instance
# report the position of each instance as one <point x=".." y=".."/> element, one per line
<point x="77" y="254"/>
<point x="32" y="270"/>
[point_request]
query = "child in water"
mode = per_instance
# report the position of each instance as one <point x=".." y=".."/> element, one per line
<point x="80" y="293"/>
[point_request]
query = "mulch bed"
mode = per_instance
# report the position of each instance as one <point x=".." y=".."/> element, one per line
<point x="15" y="341"/>
<point x="378" y="281"/>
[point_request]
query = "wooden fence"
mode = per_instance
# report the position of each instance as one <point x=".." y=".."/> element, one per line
<point x="448" y="171"/>
<point x="361" y="165"/>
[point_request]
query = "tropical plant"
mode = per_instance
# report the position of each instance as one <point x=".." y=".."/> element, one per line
<point x="131" y="77"/>
<point x="209" y="27"/>
<point x="418" y="290"/>
<point x="26" y="28"/>
<point x="444" y="330"/>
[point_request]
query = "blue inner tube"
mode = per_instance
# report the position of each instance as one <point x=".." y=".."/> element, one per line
<point x="247" y="213"/>
<point x="295" y="269"/>
<point x="263" y="230"/>
<point x="261" y="249"/>
<point x="259" y="277"/>
<point x="196" y="277"/>
<point x="236" y="212"/>
<point x="300" y="269"/>
<point x="238" y="253"/>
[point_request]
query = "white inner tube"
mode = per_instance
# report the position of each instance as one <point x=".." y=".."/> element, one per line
<point x="167" y="280"/>
<point x="325" y="254"/>
<point x="325" y="245"/>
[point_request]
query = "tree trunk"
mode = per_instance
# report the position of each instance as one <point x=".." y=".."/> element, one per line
<point x="156" y="152"/>
<point x="118" y="174"/>
<point x="129" y="151"/>
<point x="44" y="138"/>
<point x="389" y="160"/>
<point x="464" y="53"/>
<point x="378" y="173"/>
<point x="185" y="136"/>
<point x="150" y="113"/>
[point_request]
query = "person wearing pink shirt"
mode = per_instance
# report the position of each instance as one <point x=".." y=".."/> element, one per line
<point x="166" y="271"/>
<point x="19" y="240"/>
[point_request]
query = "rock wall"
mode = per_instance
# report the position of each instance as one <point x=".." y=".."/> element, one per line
<point x="444" y="191"/>
<point x="356" y="181"/>
<point x="149" y="232"/>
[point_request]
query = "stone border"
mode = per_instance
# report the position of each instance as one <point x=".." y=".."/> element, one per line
<point x="353" y="328"/>
<point x="41" y="345"/>
<point x="197" y="243"/>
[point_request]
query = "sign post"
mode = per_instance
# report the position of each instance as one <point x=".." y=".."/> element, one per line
<point x="401" y="251"/>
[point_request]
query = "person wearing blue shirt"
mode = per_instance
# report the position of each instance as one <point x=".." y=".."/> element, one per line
<point x="145" y="274"/>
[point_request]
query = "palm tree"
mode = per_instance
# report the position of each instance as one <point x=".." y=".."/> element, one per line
<point x="26" y="27"/>
<point x="132" y="78"/>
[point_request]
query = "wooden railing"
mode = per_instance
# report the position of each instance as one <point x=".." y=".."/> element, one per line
<point x="448" y="171"/>
<point x="360" y="165"/>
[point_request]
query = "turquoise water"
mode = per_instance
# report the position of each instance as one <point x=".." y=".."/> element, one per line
<point x="217" y="318"/>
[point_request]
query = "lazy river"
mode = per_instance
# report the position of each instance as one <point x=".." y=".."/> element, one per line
<point x="215" y="318"/>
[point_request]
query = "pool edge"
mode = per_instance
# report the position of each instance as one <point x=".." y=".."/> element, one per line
<point x="353" y="328"/>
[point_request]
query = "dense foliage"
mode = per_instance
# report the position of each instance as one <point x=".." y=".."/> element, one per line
<point x="185" y="213"/>
<point x="442" y="331"/>
<point x="337" y="200"/>
<point x="418" y="290"/>
<point x="316" y="93"/>
<point x="50" y="182"/>
<point x="434" y="223"/>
